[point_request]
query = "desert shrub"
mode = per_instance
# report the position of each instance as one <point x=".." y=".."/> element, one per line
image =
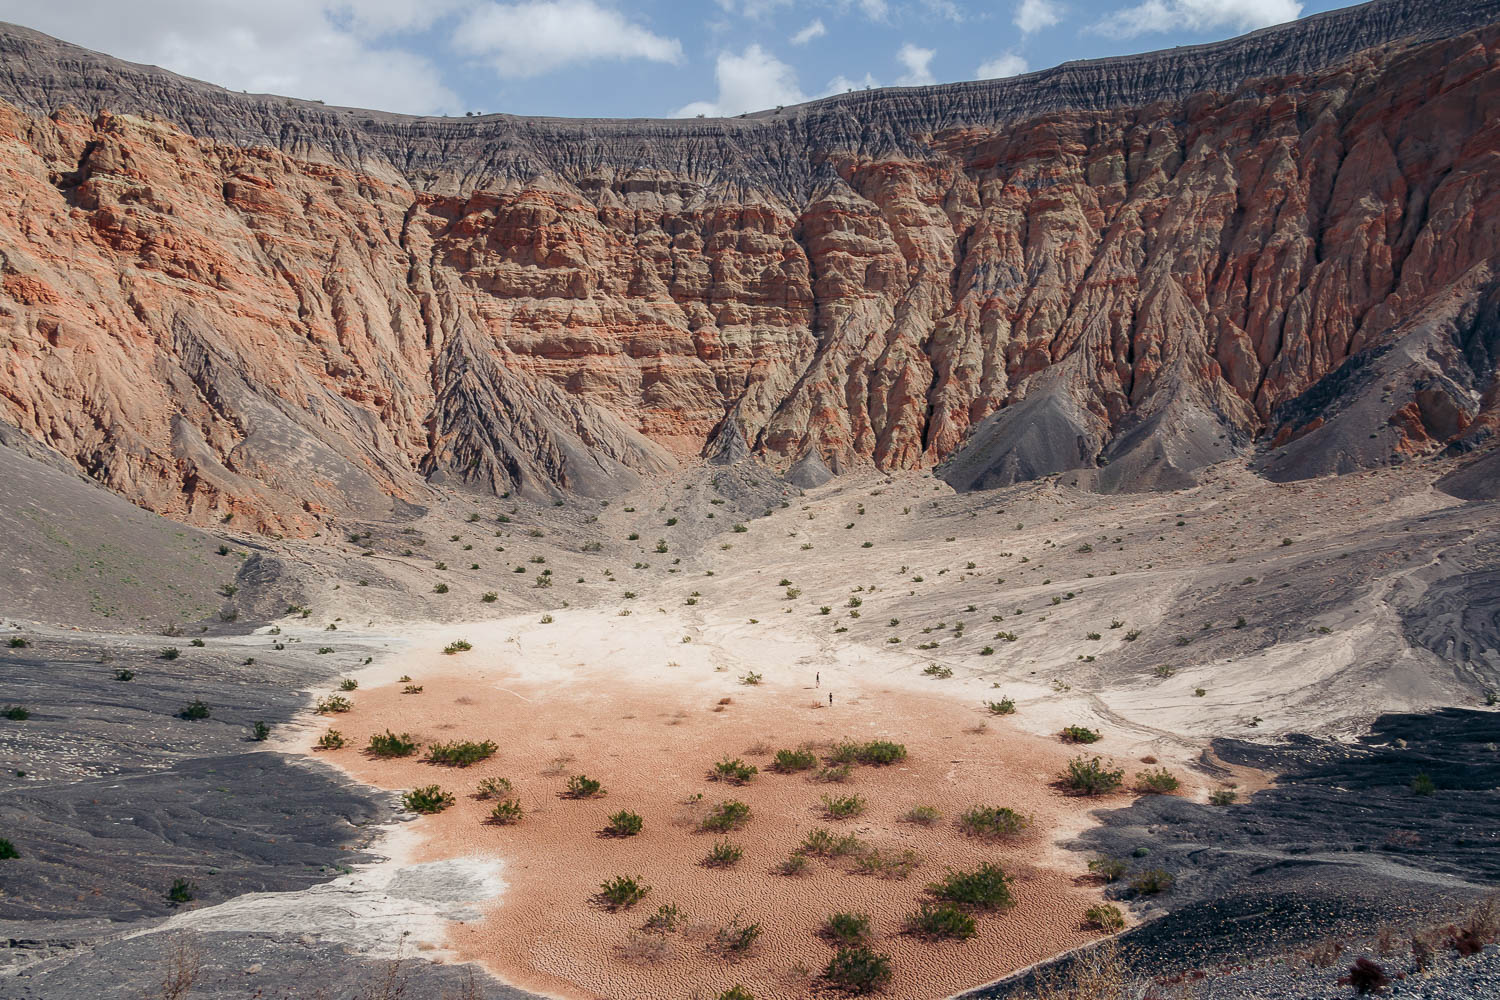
<point x="846" y="928"/>
<point x="736" y="992"/>
<point x="16" y="642"/>
<point x="348" y="684"/>
<point x="331" y="740"/>
<point x="789" y="761"/>
<point x="938" y="671"/>
<point x="441" y="588"/>
<point x="1223" y="796"/>
<point x="1005" y="706"/>
<point x="992" y="822"/>
<point x="182" y="891"/>
<point x="169" y="653"/>
<point x="1104" y="917"/>
<point x="489" y="597"/>
<point x="494" y="788"/>
<point x="858" y="970"/>
<point x="389" y="744"/>
<point x="985" y="888"/>
<point x="666" y="919"/>
<point x="740" y="529"/>
<point x="795" y="864"/>
<point x="457" y="646"/>
<point x="1079" y="734"/>
<point x="1158" y="782"/>
<point x="324" y="650"/>
<point x="8" y="850"/>
<point x="735" y="939"/>
<point x="1423" y="784"/>
<point x="887" y="864"/>
<point x="460" y="753"/>
<point x="581" y="786"/>
<point x="1367" y="976"/>
<point x="939" y="921"/>
<point x="735" y="771"/>
<point x="921" y="815"/>
<point x="260" y="732"/>
<point x="506" y="812"/>
<point x="834" y="773"/>
<point x="622" y="892"/>
<point x="194" y="710"/>
<point x="197" y="643"/>
<point x="18" y="713"/>
<point x="752" y="678"/>
<point x="1106" y="869"/>
<point x="723" y="854"/>
<point x="824" y="843"/>
<point x="1152" y="881"/>
<point x="843" y="806"/>
<point x="333" y="703"/>
<point x="124" y="674"/>
<point x="1089" y="776"/>
<point x="624" y="824"/>
<point x="427" y="799"/>
<point x="730" y="814"/>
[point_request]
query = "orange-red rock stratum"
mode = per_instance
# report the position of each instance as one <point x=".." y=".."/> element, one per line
<point x="233" y="306"/>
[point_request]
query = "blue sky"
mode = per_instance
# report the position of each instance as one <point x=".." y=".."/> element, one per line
<point x="623" y="58"/>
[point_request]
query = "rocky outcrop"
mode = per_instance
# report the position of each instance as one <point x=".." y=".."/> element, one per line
<point x="234" y="305"/>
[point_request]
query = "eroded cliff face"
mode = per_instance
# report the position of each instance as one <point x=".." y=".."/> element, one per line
<point x="281" y="330"/>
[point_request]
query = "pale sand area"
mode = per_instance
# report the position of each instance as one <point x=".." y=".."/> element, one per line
<point x="636" y="708"/>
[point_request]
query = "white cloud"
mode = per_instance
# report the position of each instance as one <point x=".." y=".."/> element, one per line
<point x="875" y="10"/>
<point x="756" y="10"/>
<point x="1197" y="15"/>
<point x="944" y="8"/>
<point x="807" y="34"/>
<point x="843" y="84"/>
<point x="327" y="50"/>
<point x="1008" y="64"/>
<point x="753" y="80"/>
<point x="918" y="63"/>
<point x="538" y="36"/>
<point x="1033" y="15"/>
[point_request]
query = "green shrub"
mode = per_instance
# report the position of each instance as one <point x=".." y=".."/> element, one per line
<point x="260" y="732"/>
<point x="858" y="970"/>
<point x="197" y="643"/>
<point x="1106" y="869"/>
<point x="666" y="919"/>
<point x="581" y="786"/>
<point x="751" y="679"/>
<point x="494" y="788"/>
<point x="835" y="774"/>
<point x="8" y="850"/>
<point x="441" y="588"/>
<point x="735" y="939"/>
<point x="922" y="815"/>
<point x="16" y="642"/>
<point x="1223" y="796"/>
<point x="735" y="771"/>
<point x="992" y="822"/>
<point x="723" y="855"/>
<point x="169" y="653"/>
<point x="182" y="891"/>
<point x="194" y="710"/>
<point x="427" y="799"/>
<point x="940" y="921"/>
<point x="1104" y="917"/>
<point x="1152" y="881"/>
<point x="1423" y="784"/>
<point x="388" y="744"/>
<point x="124" y="675"/>
<point x="324" y="650"/>
<point x="624" y="824"/>
<point x="1079" y="734"/>
<point x="730" y="814"/>
<point x="736" y="992"/>
<point x="795" y="864"/>
<point x="887" y="864"/>
<point x="506" y="812"/>
<point x="1005" y="706"/>
<point x="622" y="892"/>
<point x="824" y="843"/>
<point x="938" y="671"/>
<point x="790" y="761"/>
<point x="847" y="928"/>
<point x="457" y="646"/>
<point x="843" y="806"/>
<point x="460" y="753"/>
<point x="1086" y="776"/>
<point x="985" y="888"/>
<point x="489" y="597"/>
<point x="331" y="740"/>
<point x="1158" y="782"/>
<point x="348" y="684"/>
<point x="333" y="703"/>
<point x="16" y="713"/>
<point x="740" y="529"/>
